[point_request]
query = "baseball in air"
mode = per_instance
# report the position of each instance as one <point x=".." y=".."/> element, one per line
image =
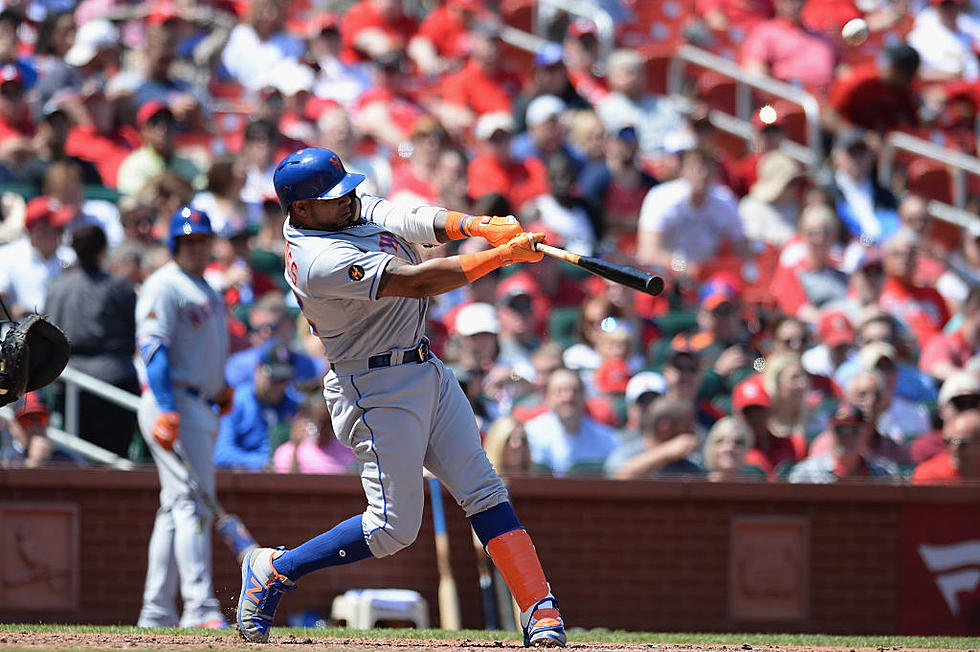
<point x="855" y="31"/>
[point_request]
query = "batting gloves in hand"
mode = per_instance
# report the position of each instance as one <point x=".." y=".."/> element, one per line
<point x="520" y="248"/>
<point x="166" y="428"/>
<point x="496" y="230"/>
<point x="225" y="400"/>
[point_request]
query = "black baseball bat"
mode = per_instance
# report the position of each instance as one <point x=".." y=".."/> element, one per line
<point x="622" y="274"/>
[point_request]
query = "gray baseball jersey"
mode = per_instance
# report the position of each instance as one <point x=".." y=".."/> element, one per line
<point x="188" y="317"/>
<point x="400" y="417"/>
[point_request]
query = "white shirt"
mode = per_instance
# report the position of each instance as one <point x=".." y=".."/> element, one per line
<point x="943" y="50"/>
<point x="558" y="450"/>
<point x="25" y="276"/>
<point x="249" y="60"/>
<point x="572" y="224"/>
<point x="654" y="118"/>
<point x="694" y="232"/>
<point x="859" y="195"/>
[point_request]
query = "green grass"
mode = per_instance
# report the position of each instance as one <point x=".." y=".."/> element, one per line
<point x="755" y="640"/>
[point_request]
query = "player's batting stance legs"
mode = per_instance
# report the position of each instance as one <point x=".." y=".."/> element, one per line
<point x="362" y="284"/>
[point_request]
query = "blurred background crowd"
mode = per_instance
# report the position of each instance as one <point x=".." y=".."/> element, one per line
<point x="819" y="322"/>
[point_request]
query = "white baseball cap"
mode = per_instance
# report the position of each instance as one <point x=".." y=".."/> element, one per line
<point x="491" y="123"/>
<point x="643" y="382"/>
<point x="543" y="108"/>
<point x="960" y="383"/>
<point x="92" y="37"/>
<point x="476" y="318"/>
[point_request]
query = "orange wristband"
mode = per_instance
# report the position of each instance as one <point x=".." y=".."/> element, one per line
<point x="481" y="263"/>
<point x="456" y="225"/>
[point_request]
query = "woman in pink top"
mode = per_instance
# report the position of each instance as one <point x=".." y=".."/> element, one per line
<point x="312" y="446"/>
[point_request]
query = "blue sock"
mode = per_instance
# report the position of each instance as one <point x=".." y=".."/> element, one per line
<point x="344" y="544"/>
<point x="493" y="522"/>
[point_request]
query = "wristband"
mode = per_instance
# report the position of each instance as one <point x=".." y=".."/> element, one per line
<point x="481" y="263"/>
<point x="457" y="225"/>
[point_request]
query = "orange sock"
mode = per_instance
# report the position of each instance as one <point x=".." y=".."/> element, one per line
<point x="514" y="556"/>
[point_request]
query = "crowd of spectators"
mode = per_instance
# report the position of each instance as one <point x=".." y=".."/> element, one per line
<point x="817" y="325"/>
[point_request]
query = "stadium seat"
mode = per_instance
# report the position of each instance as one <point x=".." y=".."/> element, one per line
<point x="929" y="178"/>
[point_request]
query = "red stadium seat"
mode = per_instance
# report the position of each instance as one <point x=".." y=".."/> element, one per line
<point x="930" y="179"/>
<point x="717" y="91"/>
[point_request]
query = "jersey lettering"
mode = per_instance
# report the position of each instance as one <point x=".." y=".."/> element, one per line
<point x="291" y="268"/>
<point x="299" y="300"/>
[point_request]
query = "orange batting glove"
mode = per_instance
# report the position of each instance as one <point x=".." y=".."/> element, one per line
<point x="166" y="428"/>
<point x="520" y="248"/>
<point x="495" y="229"/>
<point x="225" y="400"/>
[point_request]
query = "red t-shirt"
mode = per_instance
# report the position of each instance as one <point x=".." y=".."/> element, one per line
<point x="778" y="450"/>
<point x="923" y="309"/>
<point x="404" y="178"/>
<point x="828" y="16"/>
<point x="520" y="181"/>
<point x="365" y="15"/>
<point x="447" y="31"/>
<point x="952" y="348"/>
<point x="862" y="99"/>
<point x="105" y="153"/>
<point x="480" y="91"/>
<point x="792" y="53"/>
<point x="937" y="470"/>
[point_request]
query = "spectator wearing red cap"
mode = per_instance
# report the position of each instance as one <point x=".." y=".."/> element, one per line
<point x="484" y="85"/>
<point x="565" y="439"/>
<point x="156" y="124"/>
<point x="187" y="101"/>
<point x="836" y="338"/>
<point x="257" y="45"/>
<point x="29" y="446"/>
<point x="494" y="172"/>
<point x="922" y="308"/>
<point x="878" y="96"/>
<point x="10" y="46"/>
<point x="519" y="328"/>
<point x="580" y="47"/>
<point x="372" y="28"/>
<point x="29" y="264"/>
<point x="948" y="51"/>
<point x="684" y="223"/>
<point x="772" y="454"/>
<point x="784" y="48"/>
<point x="960" y="462"/>
<point x="665" y="448"/>
<point x="16" y="128"/>
<point x="947" y="353"/>
<point x="847" y="457"/>
<point x="959" y="393"/>
<point x="802" y="290"/>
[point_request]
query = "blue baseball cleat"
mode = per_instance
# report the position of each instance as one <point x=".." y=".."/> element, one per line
<point x="544" y="626"/>
<point x="262" y="588"/>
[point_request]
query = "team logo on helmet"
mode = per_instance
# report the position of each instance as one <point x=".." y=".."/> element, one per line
<point x="355" y="272"/>
<point x="335" y="161"/>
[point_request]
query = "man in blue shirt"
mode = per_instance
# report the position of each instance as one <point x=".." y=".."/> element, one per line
<point x="262" y="408"/>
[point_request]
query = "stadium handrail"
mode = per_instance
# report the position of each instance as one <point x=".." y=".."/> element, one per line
<point x="740" y="124"/>
<point x="961" y="163"/>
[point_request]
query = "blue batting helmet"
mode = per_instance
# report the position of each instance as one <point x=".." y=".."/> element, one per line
<point x="187" y="221"/>
<point x="312" y="173"/>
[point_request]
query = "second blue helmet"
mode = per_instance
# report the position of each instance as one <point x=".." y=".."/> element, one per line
<point x="312" y="173"/>
<point x="187" y="221"/>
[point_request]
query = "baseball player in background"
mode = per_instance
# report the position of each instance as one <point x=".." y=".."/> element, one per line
<point x="182" y="335"/>
<point x="354" y="267"/>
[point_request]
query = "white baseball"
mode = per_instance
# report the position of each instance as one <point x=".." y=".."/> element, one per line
<point x="855" y="31"/>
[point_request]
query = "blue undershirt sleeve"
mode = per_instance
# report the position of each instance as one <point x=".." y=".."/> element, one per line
<point x="158" y="375"/>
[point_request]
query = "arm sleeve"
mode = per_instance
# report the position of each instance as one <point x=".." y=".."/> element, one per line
<point x="158" y="374"/>
<point x="414" y="223"/>
<point x="345" y="272"/>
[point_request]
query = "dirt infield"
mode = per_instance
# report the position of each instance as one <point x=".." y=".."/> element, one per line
<point x="24" y="640"/>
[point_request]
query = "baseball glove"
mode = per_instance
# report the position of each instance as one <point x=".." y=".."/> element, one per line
<point x="33" y="354"/>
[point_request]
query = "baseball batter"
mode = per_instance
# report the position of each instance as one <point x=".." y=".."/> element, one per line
<point x="353" y="265"/>
<point x="183" y="341"/>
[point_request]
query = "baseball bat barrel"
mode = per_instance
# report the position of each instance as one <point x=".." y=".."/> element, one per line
<point x="622" y="274"/>
<point x="449" y="618"/>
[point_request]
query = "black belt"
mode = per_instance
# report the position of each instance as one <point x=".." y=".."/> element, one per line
<point x="196" y="393"/>
<point x="421" y="353"/>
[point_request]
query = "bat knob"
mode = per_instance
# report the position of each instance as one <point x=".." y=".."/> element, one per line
<point x="655" y="285"/>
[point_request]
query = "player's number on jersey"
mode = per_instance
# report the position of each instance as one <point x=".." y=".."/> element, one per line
<point x="293" y="270"/>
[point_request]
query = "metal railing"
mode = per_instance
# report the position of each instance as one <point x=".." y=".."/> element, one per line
<point x="740" y="123"/>
<point x="69" y="438"/>
<point x="962" y="165"/>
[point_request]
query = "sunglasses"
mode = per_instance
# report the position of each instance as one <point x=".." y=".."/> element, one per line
<point x="966" y="402"/>
<point x="848" y="430"/>
<point x="686" y="368"/>
<point x="957" y="442"/>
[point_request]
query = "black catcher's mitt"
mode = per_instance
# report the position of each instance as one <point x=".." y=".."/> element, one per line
<point x="33" y="354"/>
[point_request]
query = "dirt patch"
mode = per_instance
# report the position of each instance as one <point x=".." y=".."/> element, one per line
<point x="23" y="640"/>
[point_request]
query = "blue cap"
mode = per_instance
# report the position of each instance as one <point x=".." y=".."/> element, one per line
<point x="312" y="173"/>
<point x="188" y="221"/>
<point x="549" y="54"/>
